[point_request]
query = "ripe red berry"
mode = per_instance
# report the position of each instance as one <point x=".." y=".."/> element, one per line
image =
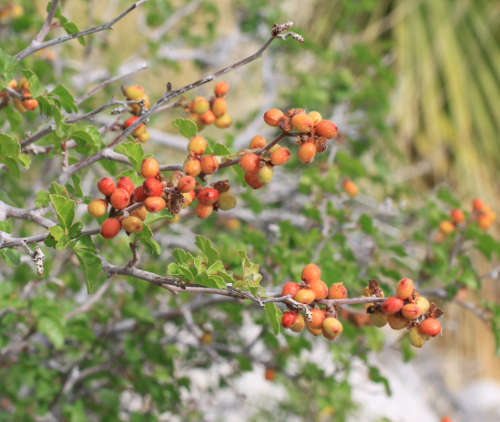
<point x="337" y="291"/>
<point x="430" y="327"/>
<point x="208" y="196"/>
<point x="203" y="211"/>
<point x="120" y="198"/>
<point x="209" y="164"/>
<point x="253" y="181"/>
<point x="155" y="203"/>
<point x="290" y="288"/>
<point x="186" y="184"/>
<point x="152" y="187"/>
<point x="110" y="228"/>
<point x="270" y="374"/>
<point x="457" y="216"/>
<point x="97" y="207"/>
<point x="311" y="272"/>
<point x="208" y="117"/>
<point x="126" y="183"/>
<point x="221" y="89"/>
<point x="280" y="156"/>
<point x="326" y="129"/>
<point x="392" y="305"/>
<point x="288" y="319"/>
<point x="197" y="145"/>
<point x="477" y="205"/>
<point x="150" y="168"/>
<point x="258" y="142"/>
<point x="307" y="152"/>
<point x="106" y="186"/>
<point x="192" y="166"/>
<point x="139" y="195"/>
<point x="249" y="162"/>
<point x="404" y="288"/>
<point x="273" y="116"/>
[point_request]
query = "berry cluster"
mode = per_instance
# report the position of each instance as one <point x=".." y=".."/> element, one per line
<point x="23" y="104"/>
<point x="407" y="309"/>
<point x="313" y="131"/>
<point x="136" y="93"/>
<point x="482" y="214"/>
<point x="204" y="112"/>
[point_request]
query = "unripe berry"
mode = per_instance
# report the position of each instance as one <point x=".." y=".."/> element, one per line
<point x="392" y="305"/>
<point x="299" y="324"/>
<point x="378" y="319"/>
<point x="457" y="216"/>
<point x="302" y="123"/>
<point x="319" y="288"/>
<point x="219" y="107"/>
<point x="423" y="304"/>
<point x="350" y="188"/>
<point x="152" y="187"/>
<point x="192" y="166"/>
<point x="404" y="288"/>
<point x="314" y="331"/>
<point x="155" y="203"/>
<point x="208" y="196"/>
<point x="140" y="212"/>
<point x="416" y="338"/>
<point x="195" y="118"/>
<point x="446" y="227"/>
<point x="197" y="145"/>
<point x="200" y="105"/>
<point x="332" y="328"/>
<point x="477" y="205"/>
<point x="410" y="311"/>
<point x="273" y="116"/>
<point x="186" y="184"/>
<point x="288" y="319"/>
<point x="280" y="156"/>
<point x="306" y="296"/>
<point x="126" y="183"/>
<point x="30" y="104"/>
<point x="290" y="288"/>
<point x="208" y="117"/>
<point x="223" y="121"/>
<point x="484" y="221"/>
<point x="97" y="207"/>
<point x="315" y="116"/>
<point x="326" y="129"/>
<point x="337" y="291"/>
<point x="226" y="201"/>
<point x="311" y="272"/>
<point x="307" y="152"/>
<point x="189" y="197"/>
<point x="139" y="194"/>
<point x="143" y="137"/>
<point x="110" y="228"/>
<point x="18" y="104"/>
<point x="397" y="322"/>
<point x="249" y="162"/>
<point x="265" y="174"/>
<point x="132" y="224"/>
<point x="209" y="164"/>
<point x="318" y="316"/>
<point x="258" y="142"/>
<point x="203" y="211"/>
<point x="106" y="186"/>
<point x="430" y="327"/>
<point x="150" y="168"/>
<point x="253" y="181"/>
<point x="270" y="374"/>
<point x="134" y="92"/>
<point x="120" y="198"/>
<point x="221" y="89"/>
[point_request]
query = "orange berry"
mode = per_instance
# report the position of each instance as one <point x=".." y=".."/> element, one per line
<point x="288" y="319"/>
<point x="106" y="186"/>
<point x="209" y="164"/>
<point x="326" y="129"/>
<point x="155" y="203"/>
<point x="446" y="227"/>
<point x="186" y="184"/>
<point x="457" y="216"/>
<point x="30" y="104"/>
<point x="120" y="198"/>
<point x="306" y="296"/>
<point x="249" y="162"/>
<point x="197" y="145"/>
<point x="404" y="288"/>
<point x="318" y="316"/>
<point x="392" y="305"/>
<point x="132" y="224"/>
<point x="337" y="291"/>
<point x="445" y="419"/>
<point x="396" y="321"/>
<point x="126" y="183"/>
<point x="97" y="207"/>
<point x="253" y="181"/>
<point x="110" y="228"/>
<point x="350" y="188"/>
<point x="208" y="196"/>
<point x="280" y="156"/>
<point x="307" y="152"/>
<point x="319" y="288"/>
<point x="430" y="327"/>
<point x="200" y="105"/>
<point x="311" y="272"/>
<point x="302" y="123"/>
<point x="221" y="89"/>
<point x="140" y="212"/>
<point x="332" y="328"/>
<point x="314" y="331"/>
<point x="203" y="211"/>
<point x="484" y="221"/>
<point x="258" y="142"/>
<point x="208" y="117"/>
<point x="134" y="92"/>
<point x="299" y="324"/>
<point x="411" y="311"/>
<point x="273" y="116"/>
<point x="219" y="107"/>
<point x="290" y="288"/>
<point x="192" y="166"/>
<point x="152" y="187"/>
<point x="477" y="205"/>
<point x="150" y="168"/>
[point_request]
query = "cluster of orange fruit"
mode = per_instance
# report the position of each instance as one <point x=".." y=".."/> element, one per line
<point x="482" y="214"/>
<point x="204" y="111"/>
<point x="23" y="104"/>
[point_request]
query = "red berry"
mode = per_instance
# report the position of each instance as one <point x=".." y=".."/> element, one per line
<point x="404" y="288"/>
<point x="110" y="228"/>
<point x="208" y="196"/>
<point x="253" y="181"/>
<point x="257" y="142"/>
<point x="430" y="327"/>
<point x="290" y="288"/>
<point x="288" y="319"/>
<point x="150" y="168"/>
<point x="203" y="211"/>
<point x="208" y="117"/>
<point x="139" y="195"/>
<point x="221" y="89"/>
<point x="319" y="288"/>
<point x="132" y="224"/>
<point x="457" y="216"/>
<point x="126" y="183"/>
<point x="155" y="203"/>
<point x="411" y="311"/>
<point x="392" y="305"/>
<point x="311" y="272"/>
<point x="477" y="205"/>
<point x="152" y="187"/>
<point x="120" y="198"/>
<point x="250" y="162"/>
<point x="332" y="328"/>
<point x="350" y="188"/>
<point x="106" y="186"/>
<point x="186" y="184"/>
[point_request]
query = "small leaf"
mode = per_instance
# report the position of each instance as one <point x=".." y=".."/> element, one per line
<point x="186" y="127"/>
<point x="133" y="151"/>
<point x="57" y="232"/>
<point x="65" y="209"/>
<point x="67" y="100"/>
<point x="221" y="149"/>
<point x="274" y="316"/>
<point x="91" y="268"/>
<point x="53" y="329"/>
<point x="207" y="248"/>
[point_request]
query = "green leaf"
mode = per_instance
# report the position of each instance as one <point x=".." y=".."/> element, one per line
<point x="273" y="314"/>
<point x="366" y="224"/>
<point x="71" y="29"/>
<point x="446" y="196"/>
<point x="221" y="149"/>
<point x="376" y="376"/>
<point x="8" y="67"/>
<point x="207" y="248"/>
<point x="91" y="268"/>
<point x="182" y="257"/>
<point x="65" y="209"/>
<point x="36" y="88"/>
<point x="67" y="100"/>
<point x="53" y="329"/>
<point x="57" y="232"/>
<point x="146" y="238"/>
<point x="9" y="146"/>
<point x="133" y="151"/>
<point x="186" y="127"/>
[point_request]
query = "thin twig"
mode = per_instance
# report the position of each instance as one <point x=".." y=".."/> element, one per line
<point x="46" y="25"/>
